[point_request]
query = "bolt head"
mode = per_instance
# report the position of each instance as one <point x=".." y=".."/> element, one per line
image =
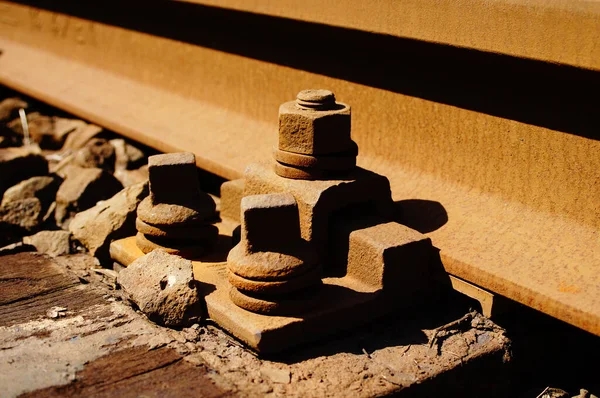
<point x="173" y="178"/>
<point x="269" y="222"/>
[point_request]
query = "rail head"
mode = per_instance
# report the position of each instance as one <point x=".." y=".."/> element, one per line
<point x="560" y="31"/>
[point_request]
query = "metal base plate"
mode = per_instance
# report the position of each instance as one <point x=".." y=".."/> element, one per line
<point x="345" y="302"/>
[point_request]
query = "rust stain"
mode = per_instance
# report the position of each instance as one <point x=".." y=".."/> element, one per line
<point x="568" y="288"/>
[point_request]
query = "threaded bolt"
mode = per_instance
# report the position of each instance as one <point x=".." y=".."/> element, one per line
<point x="315" y="99"/>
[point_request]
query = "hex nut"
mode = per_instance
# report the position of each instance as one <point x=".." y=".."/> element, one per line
<point x="314" y="131"/>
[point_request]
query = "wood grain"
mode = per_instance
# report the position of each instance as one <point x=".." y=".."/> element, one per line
<point x="31" y="284"/>
<point x="135" y="372"/>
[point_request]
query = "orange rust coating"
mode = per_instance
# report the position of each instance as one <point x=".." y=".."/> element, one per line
<point x="340" y="299"/>
<point x="231" y="197"/>
<point x="522" y="200"/>
<point x="193" y="108"/>
<point x="403" y="252"/>
<point x="537" y="29"/>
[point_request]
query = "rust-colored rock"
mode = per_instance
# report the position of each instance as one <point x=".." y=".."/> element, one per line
<point x="111" y="219"/>
<point x="25" y="213"/>
<point x="42" y="187"/>
<point x="163" y="287"/>
<point x="9" y="108"/>
<point x="127" y="156"/>
<point x="79" y="137"/>
<point x="62" y="128"/>
<point x="52" y="243"/>
<point x="49" y="132"/>
<point x="131" y="177"/>
<point x="98" y="153"/>
<point x="21" y="163"/>
<point x="82" y="189"/>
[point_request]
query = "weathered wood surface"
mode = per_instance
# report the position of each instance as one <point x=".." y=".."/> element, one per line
<point x="134" y="372"/>
<point x="30" y="285"/>
<point x="95" y="345"/>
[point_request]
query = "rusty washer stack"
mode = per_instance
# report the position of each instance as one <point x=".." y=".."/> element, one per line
<point x="272" y="270"/>
<point x="177" y="216"/>
<point x="314" y="138"/>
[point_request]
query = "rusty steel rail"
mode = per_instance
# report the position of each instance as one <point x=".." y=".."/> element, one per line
<point x="494" y="156"/>
<point x="535" y="29"/>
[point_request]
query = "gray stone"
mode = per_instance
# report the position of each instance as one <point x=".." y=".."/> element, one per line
<point x="81" y="136"/>
<point x="50" y="132"/>
<point x="52" y="243"/>
<point x="9" y="108"/>
<point x="128" y="157"/>
<point x="19" y="218"/>
<point x="131" y="177"/>
<point x="59" y="163"/>
<point x="112" y="219"/>
<point x="24" y="213"/>
<point x="98" y="153"/>
<point x="82" y="189"/>
<point x="18" y="164"/>
<point x="163" y="287"/>
<point x="42" y="187"/>
<point x="62" y="129"/>
<point x="14" y="248"/>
